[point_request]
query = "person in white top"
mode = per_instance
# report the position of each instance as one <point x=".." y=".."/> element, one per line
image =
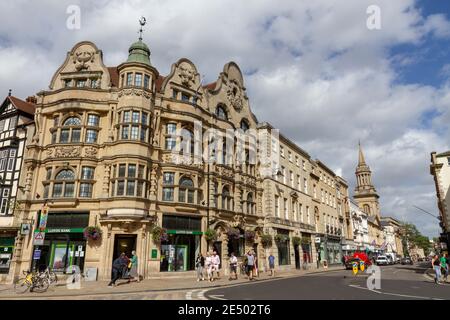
<point x="233" y="266"/>
<point x="216" y="263"/>
<point x="208" y="266"/>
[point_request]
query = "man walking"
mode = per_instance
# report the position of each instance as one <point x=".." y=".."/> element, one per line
<point x="117" y="269"/>
<point x="272" y="265"/>
<point x="250" y="264"/>
<point x="444" y="267"/>
<point x="216" y="264"/>
<point x="233" y="267"/>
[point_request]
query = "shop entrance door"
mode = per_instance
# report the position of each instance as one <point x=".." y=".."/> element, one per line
<point x="297" y="257"/>
<point x="124" y="243"/>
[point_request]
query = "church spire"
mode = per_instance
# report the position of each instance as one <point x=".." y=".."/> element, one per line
<point x="362" y="161"/>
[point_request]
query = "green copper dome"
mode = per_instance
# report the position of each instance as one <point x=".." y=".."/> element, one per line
<point x="139" y="52"/>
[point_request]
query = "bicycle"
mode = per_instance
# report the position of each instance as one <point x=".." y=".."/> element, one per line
<point x="50" y="276"/>
<point x="35" y="282"/>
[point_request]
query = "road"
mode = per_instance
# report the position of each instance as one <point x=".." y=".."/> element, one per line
<point x="397" y="283"/>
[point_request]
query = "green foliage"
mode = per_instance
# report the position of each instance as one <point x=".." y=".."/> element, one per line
<point x="211" y="235"/>
<point x="266" y="240"/>
<point x="296" y="241"/>
<point x="411" y="237"/>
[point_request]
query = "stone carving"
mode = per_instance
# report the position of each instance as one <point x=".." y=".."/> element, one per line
<point x="234" y="95"/>
<point x="135" y="92"/>
<point x="186" y="74"/>
<point x="67" y="152"/>
<point x="82" y="58"/>
<point x="90" y="152"/>
<point x="50" y="152"/>
<point x="238" y="221"/>
<point x="29" y="178"/>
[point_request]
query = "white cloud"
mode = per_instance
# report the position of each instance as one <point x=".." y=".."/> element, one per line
<point x="316" y="61"/>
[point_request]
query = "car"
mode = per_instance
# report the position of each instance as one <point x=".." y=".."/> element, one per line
<point x="381" y="261"/>
<point x="390" y="260"/>
<point x="406" y="260"/>
<point x="398" y="261"/>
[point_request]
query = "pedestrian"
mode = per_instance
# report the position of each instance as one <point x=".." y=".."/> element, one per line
<point x="437" y="268"/>
<point x="343" y="260"/>
<point x="117" y="269"/>
<point x="199" y="265"/>
<point x="250" y="264"/>
<point x="208" y="266"/>
<point x="272" y="265"/>
<point x="255" y="265"/>
<point x="233" y="267"/>
<point x="127" y="267"/>
<point x="216" y="264"/>
<point x="444" y="267"/>
<point x="133" y="273"/>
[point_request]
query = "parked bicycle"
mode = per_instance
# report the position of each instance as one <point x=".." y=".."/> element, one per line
<point x="48" y="274"/>
<point x="33" y="281"/>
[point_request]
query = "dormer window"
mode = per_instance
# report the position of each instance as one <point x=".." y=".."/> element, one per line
<point x="244" y="125"/>
<point x="67" y="83"/>
<point x="221" y="113"/>
<point x="81" y="83"/>
<point x="94" y="83"/>
<point x="185" y="97"/>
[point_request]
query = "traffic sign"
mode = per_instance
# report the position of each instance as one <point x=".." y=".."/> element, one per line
<point x="39" y="238"/>
<point x="37" y="254"/>
<point x="361" y="265"/>
<point x="355" y="268"/>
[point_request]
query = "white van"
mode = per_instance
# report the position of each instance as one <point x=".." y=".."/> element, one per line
<point x="382" y="261"/>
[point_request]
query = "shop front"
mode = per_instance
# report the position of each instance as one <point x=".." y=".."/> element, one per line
<point x="179" y="250"/>
<point x="306" y="246"/>
<point x="330" y="250"/>
<point x="283" y="246"/>
<point x="64" y="244"/>
<point x="6" y="253"/>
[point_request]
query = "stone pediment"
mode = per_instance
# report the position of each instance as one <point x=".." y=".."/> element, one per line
<point x="85" y="60"/>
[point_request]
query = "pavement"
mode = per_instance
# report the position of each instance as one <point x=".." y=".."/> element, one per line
<point x="161" y="288"/>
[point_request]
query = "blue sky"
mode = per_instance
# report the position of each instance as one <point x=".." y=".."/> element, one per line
<point x="313" y="70"/>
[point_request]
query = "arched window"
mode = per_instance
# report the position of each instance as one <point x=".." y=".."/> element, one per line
<point x="366" y="209"/>
<point x="64" y="185"/>
<point x="226" y="198"/>
<point x="186" y="190"/>
<point x="221" y="113"/>
<point x="245" y="125"/>
<point x="71" y="130"/>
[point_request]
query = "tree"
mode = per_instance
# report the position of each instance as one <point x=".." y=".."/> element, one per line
<point x="411" y="237"/>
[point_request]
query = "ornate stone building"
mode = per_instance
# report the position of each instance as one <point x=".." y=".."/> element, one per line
<point x="109" y="153"/>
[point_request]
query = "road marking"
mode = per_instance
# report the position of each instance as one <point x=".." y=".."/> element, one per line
<point x="201" y="295"/>
<point x="189" y="295"/>
<point x="394" y="294"/>
<point x="196" y="295"/>
<point x="217" y="297"/>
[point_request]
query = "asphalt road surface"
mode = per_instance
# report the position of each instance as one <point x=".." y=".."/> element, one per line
<point x="397" y="282"/>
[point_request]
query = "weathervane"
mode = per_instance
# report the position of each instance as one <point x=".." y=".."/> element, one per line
<point x="142" y="22"/>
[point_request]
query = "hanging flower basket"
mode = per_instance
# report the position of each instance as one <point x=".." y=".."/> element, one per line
<point x="250" y="236"/>
<point x="279" y="238"/>
<point x="266" y="240"/>
<point x="296" y="241"/>
<point x="234" y="233"/>
<point x="211" y="235"/>
<point x="159" y="234"/>
<point x="92" y="233"/>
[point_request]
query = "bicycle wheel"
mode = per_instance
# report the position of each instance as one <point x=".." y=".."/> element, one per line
<point x="40" y="285"/>
<point x="22" y="285"/>
<point x="53" y="277"/>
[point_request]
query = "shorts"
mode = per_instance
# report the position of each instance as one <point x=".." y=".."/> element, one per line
<point x="272" y="266"/>
<point x="249" y="268"/>
<point x="233" y="269"/>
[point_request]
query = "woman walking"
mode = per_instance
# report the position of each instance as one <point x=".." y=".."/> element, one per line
<point x="134" y="267"/>
<point x="209" y="266"/>
<point x="200" y="264"/>
<point x="437" y="268"/>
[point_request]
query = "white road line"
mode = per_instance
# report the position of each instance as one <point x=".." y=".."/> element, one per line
<point x="201" y="295"/>
<point x="189" y="295"/>
<point x="217" y="297"/>
<point x="393" y="294"/>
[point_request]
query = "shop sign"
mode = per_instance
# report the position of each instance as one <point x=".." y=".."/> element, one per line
<point x="44" y="218"/>
<point x="37" y="254"/>
<point x="25" y="229"/>
<point x="39" y="238"/>
<point x="154" y="253"/>
<point x="63" y="230"/>
<point x="184" y="232"/>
